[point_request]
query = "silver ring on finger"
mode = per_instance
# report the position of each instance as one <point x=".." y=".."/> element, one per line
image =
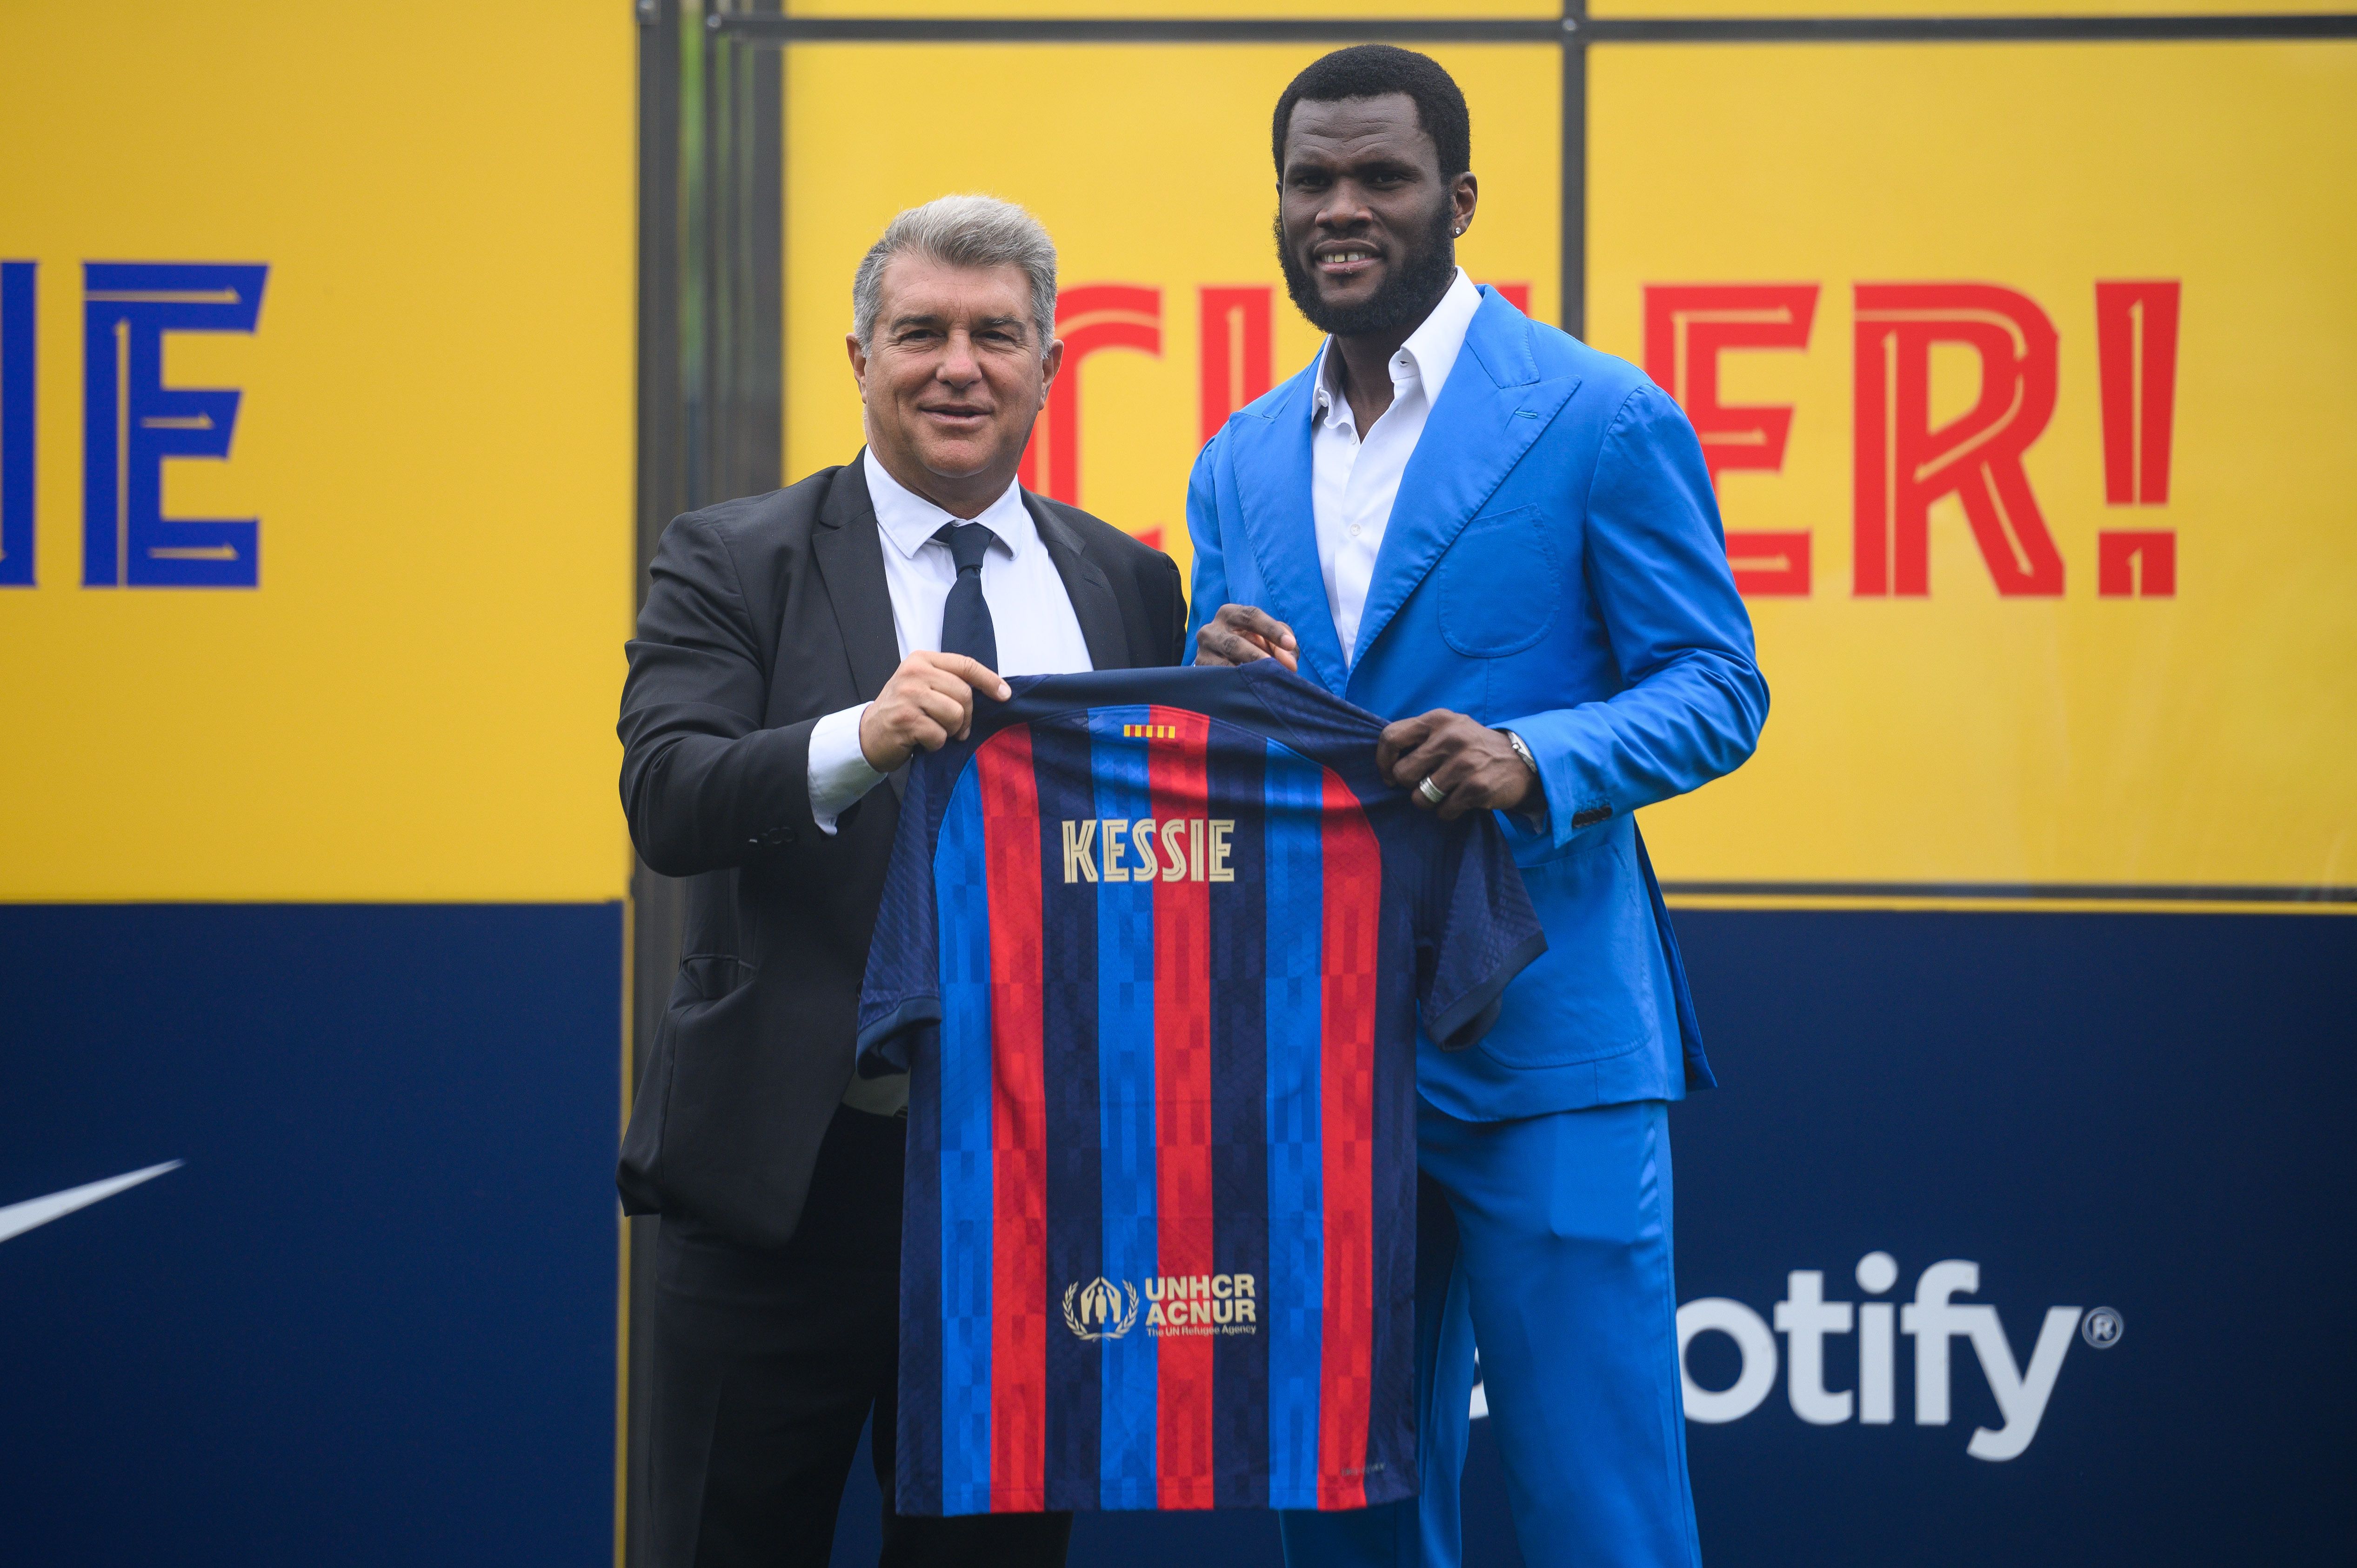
<point x="1433" y="793"/>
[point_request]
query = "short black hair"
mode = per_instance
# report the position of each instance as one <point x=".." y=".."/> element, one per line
<point x="1377" y="70"/>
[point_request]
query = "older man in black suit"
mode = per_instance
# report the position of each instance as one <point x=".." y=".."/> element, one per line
<point x="796" y="648"/>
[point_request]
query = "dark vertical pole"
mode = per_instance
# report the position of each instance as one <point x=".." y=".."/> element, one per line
<point x="661" y="476"/>
<point x="711" y="425"/>
<point x="743" y="270"/>
<point x="663" y="480"/>
<point x="1575" y="168"/>
<point x="763" y="390"/>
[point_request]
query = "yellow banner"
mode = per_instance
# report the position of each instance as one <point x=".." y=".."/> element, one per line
<point x="324" y="315"/>
<point x="2025" y="374"/>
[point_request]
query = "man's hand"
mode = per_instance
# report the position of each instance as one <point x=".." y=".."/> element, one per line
<point x="1240" y="634"/>
<point x="927" y="704"/>
<point x="1474" y="768"/>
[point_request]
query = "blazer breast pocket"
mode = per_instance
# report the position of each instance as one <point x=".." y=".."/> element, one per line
<point x="1501" y="584"/>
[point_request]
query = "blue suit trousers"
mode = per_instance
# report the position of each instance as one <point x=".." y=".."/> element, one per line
<point x="1546" y="1240"/>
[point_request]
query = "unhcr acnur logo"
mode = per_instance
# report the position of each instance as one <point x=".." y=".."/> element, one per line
<point x="1096" y="1310"/>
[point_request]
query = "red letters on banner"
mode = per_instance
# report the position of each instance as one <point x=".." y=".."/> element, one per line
<point x="1239" y="345"/>
<point x="1687" y="327"/>
<point x="1902" y="465"/>
<point x="2135" y="563"/>
<point x="2135" y="341"/>
<point x="2136" y="344"/>
<point x="1088" y="318"/>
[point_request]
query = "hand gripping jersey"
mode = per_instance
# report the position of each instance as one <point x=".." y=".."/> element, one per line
<point x="1154" y="948"/>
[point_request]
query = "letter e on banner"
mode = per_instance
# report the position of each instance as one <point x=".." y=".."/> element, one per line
<point x="131" y="423"/>
<point x="1687" y="327"/>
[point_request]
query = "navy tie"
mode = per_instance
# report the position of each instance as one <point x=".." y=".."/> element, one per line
<point x="965" y="619"/>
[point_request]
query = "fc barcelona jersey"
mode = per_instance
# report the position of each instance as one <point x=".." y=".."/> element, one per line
<point x="1155" y="949"/>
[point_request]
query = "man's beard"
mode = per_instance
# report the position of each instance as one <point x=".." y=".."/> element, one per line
<point x="1416" y="285"/>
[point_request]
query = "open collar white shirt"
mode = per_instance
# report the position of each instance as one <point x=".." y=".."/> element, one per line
<point x="1355" y="478"/>
<point x="1031" y="615"/>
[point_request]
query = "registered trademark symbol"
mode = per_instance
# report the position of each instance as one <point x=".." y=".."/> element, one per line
<point x="2102" y="1328"/>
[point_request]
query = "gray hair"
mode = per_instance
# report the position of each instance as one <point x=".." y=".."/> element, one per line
<point x="960" y="231"/>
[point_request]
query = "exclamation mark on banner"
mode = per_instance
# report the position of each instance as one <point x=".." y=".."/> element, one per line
<point x="2136" y="342"/>
<point x="17" y="423"/>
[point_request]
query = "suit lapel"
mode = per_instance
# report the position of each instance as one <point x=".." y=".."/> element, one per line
<point x="850" y="554"/>
<point x="1093" y="605"/>
<point x="1273" y="493"/>
<point x="1491" y="412"/>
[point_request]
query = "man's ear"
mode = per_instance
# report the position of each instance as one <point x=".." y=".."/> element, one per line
<point x="858" y="360"/>
<point x="1049" y="363"/>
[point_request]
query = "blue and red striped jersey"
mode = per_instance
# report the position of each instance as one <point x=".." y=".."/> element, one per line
<point x="1155" y="947"/>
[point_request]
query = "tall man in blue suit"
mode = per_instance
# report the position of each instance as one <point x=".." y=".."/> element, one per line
<point x="1473" y="522"/>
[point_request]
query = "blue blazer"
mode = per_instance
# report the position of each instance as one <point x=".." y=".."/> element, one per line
<point x="1554" y="566"/>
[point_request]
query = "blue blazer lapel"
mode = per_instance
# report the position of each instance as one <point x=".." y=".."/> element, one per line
<point x="1491" y="412"/>
<point x="1272" y="470"/>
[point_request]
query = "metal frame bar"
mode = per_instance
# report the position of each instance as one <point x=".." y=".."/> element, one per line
<point x="1571" y="215"/>
<point x="1135" y="30"/>
<point x="1964" y="29"/>
<point x="1522" y="30"/>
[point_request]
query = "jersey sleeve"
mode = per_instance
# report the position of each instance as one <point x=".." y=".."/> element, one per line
<point x="900" y="1000"/>
<point x="1475" y="930"/>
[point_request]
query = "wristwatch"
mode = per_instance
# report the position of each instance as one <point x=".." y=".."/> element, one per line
<point x="1534" y="809"/>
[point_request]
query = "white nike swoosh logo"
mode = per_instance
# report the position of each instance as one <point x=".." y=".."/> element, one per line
<point x="19" y="1217"/>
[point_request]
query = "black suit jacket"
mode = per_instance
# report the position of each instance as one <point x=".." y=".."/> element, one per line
<point x="764" y="615"/>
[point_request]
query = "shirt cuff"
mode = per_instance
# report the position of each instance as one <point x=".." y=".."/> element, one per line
<point x="839" y="774"/>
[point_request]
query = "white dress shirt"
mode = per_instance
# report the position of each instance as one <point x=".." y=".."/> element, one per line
<point x="1031" y="615"/>
<point x="1355" y="480"/>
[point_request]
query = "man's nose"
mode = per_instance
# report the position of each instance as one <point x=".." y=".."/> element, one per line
<point x="1345" y="209"/>
<point x="958" y="366"/>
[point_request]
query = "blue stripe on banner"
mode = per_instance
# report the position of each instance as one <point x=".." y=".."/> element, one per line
<point x="1060" y="763"/>
<point x="1239" y="929"/>
<point x="1126" y="1465"/>
<point x="1293" y="1310"/>
<point x="962" y="889"/>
